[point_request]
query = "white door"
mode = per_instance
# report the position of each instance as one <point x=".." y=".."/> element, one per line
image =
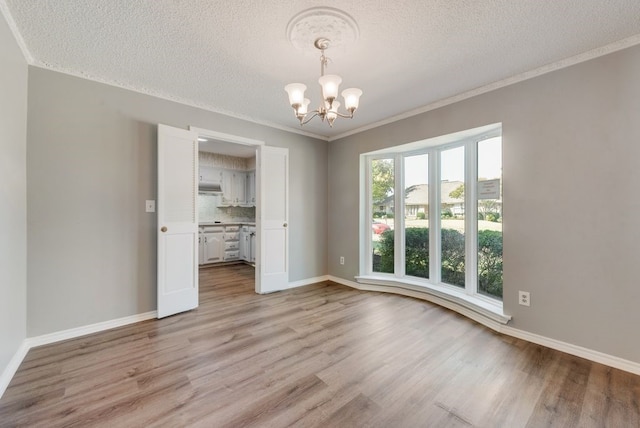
<point x="272" y="261"/>
<point x="177" y="220"/>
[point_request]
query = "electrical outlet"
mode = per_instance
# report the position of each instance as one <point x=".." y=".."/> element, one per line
<point x="150" y="206"/>
<point x="524" y="298"/>
<point x="341" y="260"/>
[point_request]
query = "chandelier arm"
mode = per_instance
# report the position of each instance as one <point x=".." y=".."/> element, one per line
<point x="346" y="116"/>
<point x="307" y="117"/>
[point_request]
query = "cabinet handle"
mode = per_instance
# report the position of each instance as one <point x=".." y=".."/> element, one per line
<point x="284" y="225"/>
<point x="163" y="229"/>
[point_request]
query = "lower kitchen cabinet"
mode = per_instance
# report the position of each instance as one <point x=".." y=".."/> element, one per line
<point x="248" y="244"/>
<point x="212" y="244"/>
<point x="252" y="245"/>
<point x="226" y="243"/>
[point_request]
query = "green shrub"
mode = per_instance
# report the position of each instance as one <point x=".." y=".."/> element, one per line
<point x="421" y="215"/>
<point x="490" y="262"/>
<point x="417" y="251"/>
<point x="446" y="213"/>
<point x="452" y="243"/>
<point x="385" y="252"/>
<point x="453" y="257"/>
<point x="493" y="217"/>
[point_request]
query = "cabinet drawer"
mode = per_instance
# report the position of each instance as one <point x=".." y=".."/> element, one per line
<point x="231" y="255"/>
<point x="231" y="236"/>
<point x="232" y="228"/>
<point x="232" y="245"/>
<point x="211" y="229"/>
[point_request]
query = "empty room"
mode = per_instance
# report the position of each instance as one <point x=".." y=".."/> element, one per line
<point x="441" y="232"/>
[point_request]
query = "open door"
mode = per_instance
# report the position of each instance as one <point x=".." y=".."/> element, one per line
<point x="177" y="220"/>
<point x="272" y="261"/>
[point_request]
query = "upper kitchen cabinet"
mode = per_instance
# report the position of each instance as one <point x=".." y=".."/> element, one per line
<point x="251" y="188"/>
<point x="209" y="174"/>
<point x="234" y="188"/>
<point x="232" y="178"/>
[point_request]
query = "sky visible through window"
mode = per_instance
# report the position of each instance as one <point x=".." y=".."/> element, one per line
<point x="489" y="164"/>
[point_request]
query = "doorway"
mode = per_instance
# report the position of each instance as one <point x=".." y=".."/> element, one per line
<point x="227" y="200"/>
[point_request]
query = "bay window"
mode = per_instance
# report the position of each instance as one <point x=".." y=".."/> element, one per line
<point x="435" y="210"/>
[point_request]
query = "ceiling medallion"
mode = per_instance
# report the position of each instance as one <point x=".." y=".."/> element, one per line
<point x="322" y="22"/>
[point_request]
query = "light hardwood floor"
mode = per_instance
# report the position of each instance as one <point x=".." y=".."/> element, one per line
<point x="322" y="355"/>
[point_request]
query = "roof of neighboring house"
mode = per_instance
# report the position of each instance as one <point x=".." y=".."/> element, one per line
<point x="418" y="194"/>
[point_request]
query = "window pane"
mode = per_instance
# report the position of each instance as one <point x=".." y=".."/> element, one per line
<point x="490" y="217"/>
<point x="382" y="177"/>
<point x="416" y="215"/>
<point x="452" y="214"/>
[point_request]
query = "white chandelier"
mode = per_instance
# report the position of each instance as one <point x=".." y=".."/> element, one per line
<point x="329" y="105"/>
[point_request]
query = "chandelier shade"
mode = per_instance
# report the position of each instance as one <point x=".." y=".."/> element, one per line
<point x="296" y="93"/>
<point x="351" y="98"/>
<point x="330" y="84"/>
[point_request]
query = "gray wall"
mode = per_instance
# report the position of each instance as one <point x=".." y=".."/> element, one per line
<point x="91" y="163"/>
<point x="571" y="157"/>
<point x="13" y="204"/>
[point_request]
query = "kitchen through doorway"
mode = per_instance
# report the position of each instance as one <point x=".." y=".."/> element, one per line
<point x="227" y="201"/>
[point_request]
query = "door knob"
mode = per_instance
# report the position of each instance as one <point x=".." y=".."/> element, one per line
<point x="163" y="229"/>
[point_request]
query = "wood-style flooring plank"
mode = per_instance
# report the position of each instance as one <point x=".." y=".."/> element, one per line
<point x="322" y="355"/>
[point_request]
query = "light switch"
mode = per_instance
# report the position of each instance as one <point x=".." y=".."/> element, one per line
<point x="150" y="206"/>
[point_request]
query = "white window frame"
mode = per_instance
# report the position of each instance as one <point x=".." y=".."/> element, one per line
<point x="468" y="297"/>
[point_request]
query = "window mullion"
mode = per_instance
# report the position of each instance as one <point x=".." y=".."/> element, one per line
<point x="434" y="217"/>
<point x="398" y="219"/>
<point x="366" y="256"/>
<point x="471" y="217"/>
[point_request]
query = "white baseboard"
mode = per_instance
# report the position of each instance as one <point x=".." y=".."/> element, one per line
<point x="578" y="351"/>
<point x="12" y="367"/>
<point x="308" y="281"/>
<point x="32" y="342"/>
<point x="72" y="333"/>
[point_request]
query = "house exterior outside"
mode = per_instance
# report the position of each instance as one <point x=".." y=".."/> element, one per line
<point x="417" y="201"/>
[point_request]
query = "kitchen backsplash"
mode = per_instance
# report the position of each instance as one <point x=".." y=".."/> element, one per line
<point x="208" y="211"/>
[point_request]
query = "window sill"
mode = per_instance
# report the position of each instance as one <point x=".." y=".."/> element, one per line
<point x="483" y="310"/>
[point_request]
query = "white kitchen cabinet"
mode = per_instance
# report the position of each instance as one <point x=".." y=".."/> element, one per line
<point x="210" y="175"/>
<point x="251" y="188"/>
<point x="231" y="243"/>
<point x="213" y="248"/>
<point x="243" y="242"/>
<point x="248" y="244"/>
<point x="227" y="188"/>
<point x="234" y="188"/>
<point x="226" y="243"/>
<point x="240" y="187"/>
<point x="252" y="245"/>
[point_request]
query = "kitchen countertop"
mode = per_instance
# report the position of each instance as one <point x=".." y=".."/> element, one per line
<point x="227" y="223"/>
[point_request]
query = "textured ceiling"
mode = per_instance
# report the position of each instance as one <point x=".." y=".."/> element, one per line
<point x="234" y="57"/>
